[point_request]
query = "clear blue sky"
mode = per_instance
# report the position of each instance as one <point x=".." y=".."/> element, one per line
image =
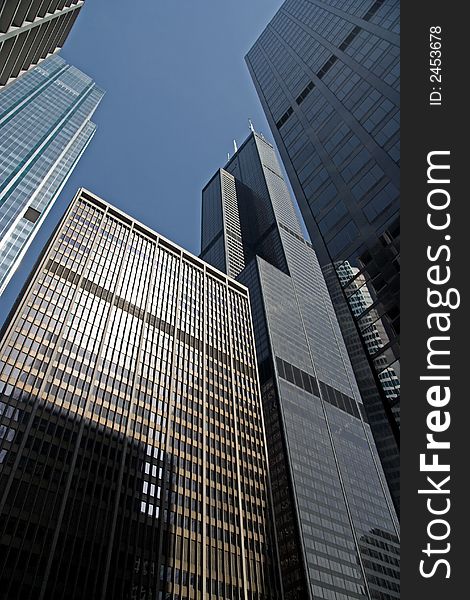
<point x="177" y="93"/>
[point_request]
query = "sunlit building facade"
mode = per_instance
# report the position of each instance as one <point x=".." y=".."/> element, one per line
<point x="336" y="527"/>
<point x="45" y="126"/>
<point x="327" y="73"/>
<point x="132" y="452"/>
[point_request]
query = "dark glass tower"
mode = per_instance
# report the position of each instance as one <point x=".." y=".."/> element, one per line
<point x="132" y="451"/>
<point x="327" y="75"/>
<point x="335" y="523"/>
<point x="30" y="31"/>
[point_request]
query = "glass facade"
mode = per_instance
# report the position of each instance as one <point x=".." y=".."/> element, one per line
<point x="132" y="451"/>
<point x="327" y="75"/>
<point x="336" y="527"/>
<point x="31" y="30"/>
<point x="44" y="129"/>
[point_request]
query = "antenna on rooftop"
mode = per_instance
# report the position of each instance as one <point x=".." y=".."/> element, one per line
<point x="228" y="156"/>
<point x="235" y="147"/>
<point x="252" y="129"/>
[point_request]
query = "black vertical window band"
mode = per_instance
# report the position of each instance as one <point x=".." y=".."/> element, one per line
<point x="434" y="128"/>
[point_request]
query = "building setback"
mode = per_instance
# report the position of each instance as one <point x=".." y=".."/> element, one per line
<point x="336" y="528"/>
<point x="132" y="452"/>
<point x="327" y="75"/>
<point x="31" y="30"/>
<point x="45" y="127"/>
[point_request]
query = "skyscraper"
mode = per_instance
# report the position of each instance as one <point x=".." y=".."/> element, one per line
<point x="336" y="527"/>
<point x="327" y="75"/>
<point x="132" y="451"/>
<point x="44" y="129"/>
<point x="31" y="30"/>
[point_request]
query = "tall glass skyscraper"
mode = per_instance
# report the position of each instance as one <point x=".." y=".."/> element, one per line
<point x="44" y="129"/>
<point x="336" y="527"/>
<point x="31" y="30"/>
<point x="327" y="75"/>
<point x="132" y="451"/>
